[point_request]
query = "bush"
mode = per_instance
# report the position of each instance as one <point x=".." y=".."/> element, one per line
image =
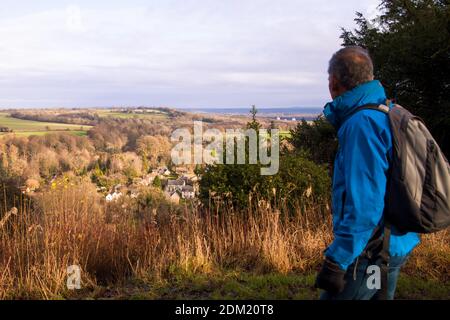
<point x="317" y="139"/>
<point x="299" y="182"/>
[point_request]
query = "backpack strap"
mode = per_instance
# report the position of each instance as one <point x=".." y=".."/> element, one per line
<point x="378" y="107"/>
<point x="384" y="260"/>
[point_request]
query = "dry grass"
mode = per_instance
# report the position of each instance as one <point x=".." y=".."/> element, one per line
<point x="72" y="226"/>
<point x="431" y="259"/>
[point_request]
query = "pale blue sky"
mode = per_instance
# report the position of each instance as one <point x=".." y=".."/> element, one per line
<point x="179" y="53"/>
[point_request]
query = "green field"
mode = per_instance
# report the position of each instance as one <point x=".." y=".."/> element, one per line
<point x="155" y="114"/>
<point x="27" y="127"/>
<point x="285" y="134"/>
<point x="43" y="133"/>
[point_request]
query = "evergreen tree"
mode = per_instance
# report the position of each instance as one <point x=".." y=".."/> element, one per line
<point x="317" y="139"/>
<point x="410" y="44"/>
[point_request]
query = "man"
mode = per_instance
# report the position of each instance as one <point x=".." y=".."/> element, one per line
<point x="359" y="182"/>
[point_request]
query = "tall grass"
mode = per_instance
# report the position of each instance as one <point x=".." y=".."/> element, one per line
<point x="71" y="225"/>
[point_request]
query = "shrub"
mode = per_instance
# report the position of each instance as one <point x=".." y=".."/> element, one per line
<point x="317" y="139"/>
<point x="299" y="182"/>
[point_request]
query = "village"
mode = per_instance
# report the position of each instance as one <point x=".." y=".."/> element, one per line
<point x="178" y="185"/>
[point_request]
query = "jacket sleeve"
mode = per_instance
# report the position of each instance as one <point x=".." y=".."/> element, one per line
<point x="364" y="145"/>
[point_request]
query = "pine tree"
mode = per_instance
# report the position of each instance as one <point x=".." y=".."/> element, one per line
<point x="409" y="43"/>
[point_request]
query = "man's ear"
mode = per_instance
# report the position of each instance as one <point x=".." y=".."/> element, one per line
<point x="335" y="87"/>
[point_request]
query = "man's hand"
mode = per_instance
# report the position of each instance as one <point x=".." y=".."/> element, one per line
<point x="330" y="278"/>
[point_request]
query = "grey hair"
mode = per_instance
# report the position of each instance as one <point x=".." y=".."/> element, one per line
<point x="351" y="66"/>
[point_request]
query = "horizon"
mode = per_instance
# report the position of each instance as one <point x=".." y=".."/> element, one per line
<point x="162" y="107"/>
<point x="71" y="54"/>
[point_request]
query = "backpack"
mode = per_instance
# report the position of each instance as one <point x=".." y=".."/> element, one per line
<point x="418" y="189"/>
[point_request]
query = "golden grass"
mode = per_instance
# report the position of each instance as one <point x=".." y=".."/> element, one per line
<point x="71" y="225"/>
<point x="431" y="259"/>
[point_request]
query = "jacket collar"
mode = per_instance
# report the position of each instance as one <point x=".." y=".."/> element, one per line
<point x="342" y="107"/>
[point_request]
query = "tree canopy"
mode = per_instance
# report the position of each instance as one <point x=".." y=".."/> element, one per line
<point x="409" y="42"/>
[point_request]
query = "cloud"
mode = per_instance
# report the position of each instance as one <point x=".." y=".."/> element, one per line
<point x="192" y="52"/>
<point x="74" y="21"/>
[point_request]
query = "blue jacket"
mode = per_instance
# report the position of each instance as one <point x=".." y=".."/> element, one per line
<point x="360" y="174"/>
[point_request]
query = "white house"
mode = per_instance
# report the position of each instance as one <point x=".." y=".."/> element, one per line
<point x="113" y="196"/>
<point x="187" y="192"/>
<point x="175" y="185"/>
<point x="189" y="177"/>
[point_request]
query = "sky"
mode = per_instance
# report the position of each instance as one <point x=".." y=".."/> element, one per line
<point x="171" y="53"/>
